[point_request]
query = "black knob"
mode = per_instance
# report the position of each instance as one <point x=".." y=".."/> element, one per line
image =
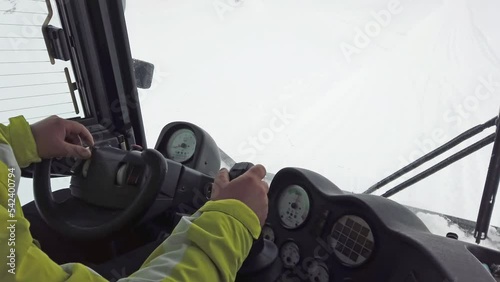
<point x="239" y="169"/>
<point x="452" y="235"/>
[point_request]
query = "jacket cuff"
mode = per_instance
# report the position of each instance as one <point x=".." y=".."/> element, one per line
<point x="239" y="211"/>
<point x="22" y="142"/>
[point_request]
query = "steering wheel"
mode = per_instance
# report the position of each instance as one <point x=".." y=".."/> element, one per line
<point x="82" y="219"/>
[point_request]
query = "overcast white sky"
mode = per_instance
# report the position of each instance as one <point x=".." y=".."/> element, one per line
<point x="353" y="90"/>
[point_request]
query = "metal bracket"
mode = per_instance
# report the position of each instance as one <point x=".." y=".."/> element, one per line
<point x="58" y="46"/>
<point x="72" y="87"/>
<point x="55" y="39"/>
<point x="44" y="31"/>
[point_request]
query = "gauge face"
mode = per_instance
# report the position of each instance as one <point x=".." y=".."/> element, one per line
<point x="290" y="254"/>
<point x="293" y="206"/>
<point x="317" y="272"/>
<point x="268" y="233"/>
<point x="181" y="146"/>
<point x="352" y="240"/>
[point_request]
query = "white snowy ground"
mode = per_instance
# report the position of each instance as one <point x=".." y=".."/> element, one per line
<point x="351" y="89"/>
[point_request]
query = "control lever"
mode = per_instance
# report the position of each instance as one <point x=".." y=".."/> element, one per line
<point x="263" y="252"/>
<point x="239" y="169"/>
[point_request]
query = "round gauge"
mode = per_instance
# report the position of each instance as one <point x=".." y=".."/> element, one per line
<point x="181" y="145"/>
<point x="352" y="240"/>
<point x="293" y="206"/>
<point x="317" y="272"/>
<point x="290" y="254"/>
<point x="268" y="233"/>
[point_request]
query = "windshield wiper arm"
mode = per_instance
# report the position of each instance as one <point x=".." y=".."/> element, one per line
<point x="439" y="151"/>
<point x="490" y="191"/>
<point x="454" y="158"/>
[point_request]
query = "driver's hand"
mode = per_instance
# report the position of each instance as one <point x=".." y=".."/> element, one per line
<point x="56" y="137"/>
<point x="248" y="188"/>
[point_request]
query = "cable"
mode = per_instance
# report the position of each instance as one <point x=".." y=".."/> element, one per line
<point x="454" y="158"/>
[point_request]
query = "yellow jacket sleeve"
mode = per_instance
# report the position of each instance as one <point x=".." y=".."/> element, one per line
<point x="18" y="135"/>
<point x="210" y="245"/>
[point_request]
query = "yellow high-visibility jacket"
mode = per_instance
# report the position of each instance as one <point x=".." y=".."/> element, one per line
<point x="210" y="245"/>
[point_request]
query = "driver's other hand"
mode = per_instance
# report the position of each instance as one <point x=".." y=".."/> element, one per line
<point x="56" y="137"/>
<point x="248" y="188"/>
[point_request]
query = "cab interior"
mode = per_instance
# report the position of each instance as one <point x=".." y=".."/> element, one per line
<point x="126" y="200"/>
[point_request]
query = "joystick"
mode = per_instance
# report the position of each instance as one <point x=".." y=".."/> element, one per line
<point x="263" y="252"/>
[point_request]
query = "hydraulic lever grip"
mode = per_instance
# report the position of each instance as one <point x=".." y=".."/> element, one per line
<point x="239" y="169"/>
<point x="263" y="253"/>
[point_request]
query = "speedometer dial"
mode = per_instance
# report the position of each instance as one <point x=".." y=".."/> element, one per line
<point x="181" y="145"/>
<point x="293" y="205"/>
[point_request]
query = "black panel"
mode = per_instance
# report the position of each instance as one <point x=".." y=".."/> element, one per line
<point x="402" y="248"/>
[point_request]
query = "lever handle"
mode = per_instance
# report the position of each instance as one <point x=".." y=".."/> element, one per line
<point x="263" y="253"/>
<point x="239" y="169"/>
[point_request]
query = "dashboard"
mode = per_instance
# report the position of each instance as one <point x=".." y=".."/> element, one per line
<point x="323" y="234"/>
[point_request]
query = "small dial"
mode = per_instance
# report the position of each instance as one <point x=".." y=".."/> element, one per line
<point x="293" y="206"/>
<point x="317" y="272"/>
<point x="181" y="146"/>
<point x="290" y="254"/>
<point x="268" y="233"/>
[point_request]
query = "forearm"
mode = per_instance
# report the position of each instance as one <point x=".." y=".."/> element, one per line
<point x="211" y="245"/>
<point x="20" y="138"/>
<point x="21" y="260"/>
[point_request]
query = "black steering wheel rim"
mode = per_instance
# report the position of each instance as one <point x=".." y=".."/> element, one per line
<point x="51" y="212"/>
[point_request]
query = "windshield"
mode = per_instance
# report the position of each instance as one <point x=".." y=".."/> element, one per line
<point x="352" y="90"/>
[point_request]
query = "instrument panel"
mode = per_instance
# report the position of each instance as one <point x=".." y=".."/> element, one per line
<point x="323" y="234"/>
